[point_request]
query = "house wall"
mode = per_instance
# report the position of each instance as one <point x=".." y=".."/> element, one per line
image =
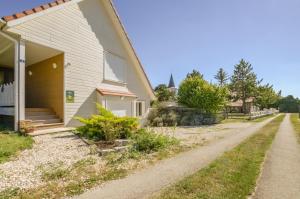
<point x="83" y="31"/>
<point x="44" y="88"/>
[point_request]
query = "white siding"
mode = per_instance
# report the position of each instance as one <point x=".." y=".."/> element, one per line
<point x="83" y="31"/>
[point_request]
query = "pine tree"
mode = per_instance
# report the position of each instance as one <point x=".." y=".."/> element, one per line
<point x="243" y="82"/>
<point x="222" y="77"/>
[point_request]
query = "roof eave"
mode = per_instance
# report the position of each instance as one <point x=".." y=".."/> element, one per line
<point x="152" y="95"/>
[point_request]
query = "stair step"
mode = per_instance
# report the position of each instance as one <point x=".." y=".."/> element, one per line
<point x="38" y="110"/>
<point x="48" y="126"/>
<point x="39" y="113"/>
<point x="51" y="131"/>
<point x="47" y="121"/>
<point x="41" y="117"/>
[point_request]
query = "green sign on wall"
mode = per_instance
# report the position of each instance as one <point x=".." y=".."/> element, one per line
<point x="70" y="96"/>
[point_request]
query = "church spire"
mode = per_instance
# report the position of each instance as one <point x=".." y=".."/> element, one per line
<point x="171" y="82"/>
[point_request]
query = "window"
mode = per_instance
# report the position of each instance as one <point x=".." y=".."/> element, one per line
<point x="140" y="108"/>
<point x="114" y="68"/>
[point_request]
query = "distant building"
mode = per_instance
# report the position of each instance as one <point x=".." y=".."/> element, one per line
<point x="237" y="106"/>
<point x="171" y="85"/>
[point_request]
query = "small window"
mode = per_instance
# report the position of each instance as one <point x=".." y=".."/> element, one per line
<point x="114" y="68"/>
<point x="140" y="108"/>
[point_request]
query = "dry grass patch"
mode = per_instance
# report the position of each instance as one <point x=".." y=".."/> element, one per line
<point x="11" y="144"/>
<point x="62" y="181"/>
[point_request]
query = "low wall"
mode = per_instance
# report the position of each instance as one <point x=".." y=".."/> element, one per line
<point x="180" y="116"/>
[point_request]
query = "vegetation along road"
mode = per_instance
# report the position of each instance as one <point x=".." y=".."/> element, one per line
<point x="146" y="182"/>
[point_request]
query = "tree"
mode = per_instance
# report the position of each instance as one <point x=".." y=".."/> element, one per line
<point x="289" y="104"/>
<point x="194" y="73"/>
<point x="163" y="93"/>
<point x="243" y="82"/>
<point x="195" y="92"/>
<point x="266" y="97"/>
<point x="221" y="77"/>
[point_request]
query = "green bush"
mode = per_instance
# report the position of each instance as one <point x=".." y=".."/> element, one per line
<point x="169" y="119"/>
<point x="195" y="92"/>
<point x="106" y="126"/>
<point x="148" y="141"/>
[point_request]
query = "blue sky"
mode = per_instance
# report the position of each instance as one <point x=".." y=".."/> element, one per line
<point x="176" y="36"/>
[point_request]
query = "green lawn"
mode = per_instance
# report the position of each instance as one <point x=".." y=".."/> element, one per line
<point x="296" y="123"/>
<point x="11" y="144"/>
<point x="233" y="175"/>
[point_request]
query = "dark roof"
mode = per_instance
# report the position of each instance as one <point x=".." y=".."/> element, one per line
<point x="171" y="82"/>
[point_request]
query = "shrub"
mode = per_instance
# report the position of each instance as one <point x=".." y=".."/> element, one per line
<point x="148" y="141"/>
<point x="163" y="93"/>
<point x="169" y="119"/>
<point x="158" y="121"/>
<point x="195" y="92"/>
<point x="106" y="126"/>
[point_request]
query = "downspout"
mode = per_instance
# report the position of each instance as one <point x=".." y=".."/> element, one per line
<point x="17" y="74"/>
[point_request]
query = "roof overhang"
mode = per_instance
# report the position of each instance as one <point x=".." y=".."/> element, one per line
<point x="107" y="92"/>
<point x="124" y="36"/>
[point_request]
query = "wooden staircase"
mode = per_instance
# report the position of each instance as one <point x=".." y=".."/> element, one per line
<point x="43" y="118"/>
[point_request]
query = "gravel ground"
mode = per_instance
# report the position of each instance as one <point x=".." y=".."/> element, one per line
<point x="201" y="135"/>
<point x="280" y="177"/>
<point x="57" y="149"/>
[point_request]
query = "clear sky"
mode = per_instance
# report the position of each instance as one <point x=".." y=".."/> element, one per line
<point x="176" y="36"/>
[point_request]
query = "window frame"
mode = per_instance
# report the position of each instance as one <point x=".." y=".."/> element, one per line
<point x="105" y="78"/>
<point x="140" y="108"/>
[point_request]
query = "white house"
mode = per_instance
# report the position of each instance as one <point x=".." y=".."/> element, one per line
<point x="57" y="60"/>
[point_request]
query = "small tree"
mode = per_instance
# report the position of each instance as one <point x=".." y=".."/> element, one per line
<point x="163" y="93"/>
<point x="194" y="73"/>
<point x="266" y="96"/>
<point x="195" y="92"/>
<point x="243" y="82"/>
<point x="222" y="77"/>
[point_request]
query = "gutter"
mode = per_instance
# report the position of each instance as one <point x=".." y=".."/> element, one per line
<point x="17" y="74"/>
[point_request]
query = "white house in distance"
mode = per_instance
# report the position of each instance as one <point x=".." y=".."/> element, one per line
<point x="57" y="60"/>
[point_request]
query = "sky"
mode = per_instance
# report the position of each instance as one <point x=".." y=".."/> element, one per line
<point x="177" y="36"/>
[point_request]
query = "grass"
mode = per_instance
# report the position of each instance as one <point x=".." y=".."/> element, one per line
<point x="245" y="119"/>
<point x="12" y="144"/>
<point x="296" y="123"/>
<point x="231" y="176"/>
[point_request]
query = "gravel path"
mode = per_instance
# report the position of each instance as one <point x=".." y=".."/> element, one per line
<point x="190" y="136"/>
<point x="281" y="177"/>
<point x="49" y="150"/>
<point x="144" y="183"/>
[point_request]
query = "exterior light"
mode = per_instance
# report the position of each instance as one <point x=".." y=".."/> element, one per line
<point x="54" y="65"/>
<point x="122" y="97"/>
<point x="30" y="73"/>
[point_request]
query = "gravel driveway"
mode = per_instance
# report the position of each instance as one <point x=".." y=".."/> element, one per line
<point x="49" y="150"/>
<point x="190" y="136"/>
